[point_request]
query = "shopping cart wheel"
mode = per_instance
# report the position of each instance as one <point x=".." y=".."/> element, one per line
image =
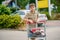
<point x="40" y="39"/>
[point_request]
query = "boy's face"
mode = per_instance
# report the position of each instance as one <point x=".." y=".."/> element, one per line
<point x="32" y="8"/>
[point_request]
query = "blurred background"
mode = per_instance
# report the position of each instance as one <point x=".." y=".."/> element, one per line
<point x="24" y="4"/>
<point x="12" y="12"/>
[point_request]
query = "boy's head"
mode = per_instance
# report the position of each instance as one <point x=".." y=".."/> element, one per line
<point x="32" y="6"/>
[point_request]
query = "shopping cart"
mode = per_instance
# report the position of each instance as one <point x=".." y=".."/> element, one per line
<point x="39" y="32"/>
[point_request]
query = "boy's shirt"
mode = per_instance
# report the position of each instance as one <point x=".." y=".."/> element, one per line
<point x="32" y="16"/>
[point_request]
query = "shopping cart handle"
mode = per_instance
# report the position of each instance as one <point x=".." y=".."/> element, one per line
<point x="42" y="21"/>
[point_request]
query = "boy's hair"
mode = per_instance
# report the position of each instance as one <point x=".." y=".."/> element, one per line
<point x="32" y="4"/>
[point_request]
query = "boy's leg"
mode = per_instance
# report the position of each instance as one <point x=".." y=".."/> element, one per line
<point x="32" y="38"/>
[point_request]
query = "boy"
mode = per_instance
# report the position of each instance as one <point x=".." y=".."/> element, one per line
<point x="32" y="17"/>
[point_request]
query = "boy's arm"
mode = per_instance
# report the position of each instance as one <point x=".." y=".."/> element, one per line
<point x="26" y="17"/>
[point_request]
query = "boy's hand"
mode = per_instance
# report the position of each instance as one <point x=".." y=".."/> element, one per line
<point x="30" y="21"/>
